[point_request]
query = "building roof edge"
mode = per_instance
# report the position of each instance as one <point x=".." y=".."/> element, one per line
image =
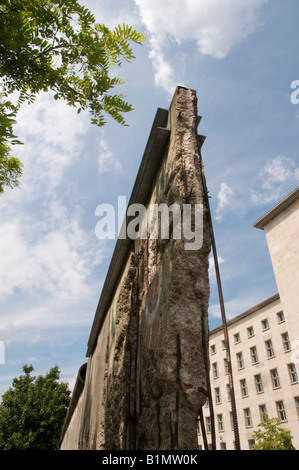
<point x="271" y="299"/>
<point x="276" y="210"/>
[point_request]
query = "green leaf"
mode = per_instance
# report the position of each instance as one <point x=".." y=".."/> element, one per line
<point x="58" y="45"/>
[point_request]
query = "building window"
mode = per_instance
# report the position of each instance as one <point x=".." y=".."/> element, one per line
<point x="213" y="349"/>
<point x="280" y="317"/>
<point x="265" y="324"/>
<point x="208" y="424"/>
<point x="250" y="443"/>
<point x="222" y="446"/>
<point x="247" y="416"/>
<point x="269" y="349"/>
<point x="225" y="366"/>
<point x="281" y="411"/>
<point x="250" y="331"/>
<point x="215" y="370"/>
<point x="254" y="356"/>
<point x="286" y="342"/>
<point x="217" y="396"/>
<point x="243" y="386"/>
<point x="220" y="423"/>
<point x="297" y="405"/>
<point x="293" y="373"/>
<point x="231" y="420"/>
<point x="240" y="360"/>
<point x="223" y="344"/>
<point x="229" y="394"/>
<point x="258" y="383"/>
<point x="275" y="378"/>
<point x="263" y="412"/>
<point x="237" y="338"/>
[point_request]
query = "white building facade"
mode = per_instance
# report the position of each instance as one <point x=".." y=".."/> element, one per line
<point x="264" y="345"/>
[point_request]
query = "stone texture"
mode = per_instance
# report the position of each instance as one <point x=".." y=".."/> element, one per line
<point x="146" y="378"/>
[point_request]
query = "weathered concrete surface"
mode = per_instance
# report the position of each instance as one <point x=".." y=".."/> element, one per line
<point x="145" y="378"/>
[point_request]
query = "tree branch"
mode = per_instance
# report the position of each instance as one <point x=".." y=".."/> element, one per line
<point x="46" y="51"/>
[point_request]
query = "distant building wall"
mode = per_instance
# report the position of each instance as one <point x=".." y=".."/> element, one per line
<point x="281" y="227"/>
<point x="145" y="377"/>
<point x="264" y="343"/>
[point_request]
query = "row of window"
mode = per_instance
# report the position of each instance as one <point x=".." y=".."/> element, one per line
<point x="254" y="354"/>
<point x="250" y="331"/>
<point x="275" y="380"/>
<point x="281" y="414"/>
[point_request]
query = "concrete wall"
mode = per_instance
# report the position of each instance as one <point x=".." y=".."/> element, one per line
<point x="145" y="377"/>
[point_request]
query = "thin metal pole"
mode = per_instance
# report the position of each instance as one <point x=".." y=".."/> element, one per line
<point x="203" y="430"/>
<point x="227" y="349"/>
<point x="223" y="315"/>
<point x="209" y="392"/>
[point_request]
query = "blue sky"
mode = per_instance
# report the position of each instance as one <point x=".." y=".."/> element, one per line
<point x="241" y="57"/>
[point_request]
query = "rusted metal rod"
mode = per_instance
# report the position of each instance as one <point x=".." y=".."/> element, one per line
<point x="227" y="347"/>
<point x="222" y="309"/>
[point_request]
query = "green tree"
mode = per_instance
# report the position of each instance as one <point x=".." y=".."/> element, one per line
<point x="57" y="45"/>
<point x="270" y="437"/>
<point x="32" y="411"/>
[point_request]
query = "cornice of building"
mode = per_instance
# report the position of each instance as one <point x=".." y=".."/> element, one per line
<point x="252" y="310"/>
<point x="276" y="210"/>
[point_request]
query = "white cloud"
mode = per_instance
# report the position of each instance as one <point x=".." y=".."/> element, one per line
<point x="48" y="258"/>
<point x="215" y="25"/>
<point x="233" y="307"/>
<point x="53" y="136"/>
<point x="57" y="261"/>
<point x="42" y="243"/>
<point x="273" y="180"/>
<point x="57" y="123"/>
<point x="46" y="276"/>
<point x="212" y="271"/>
<point x="239" y="304"/>
<point x="106" y="160"/>
<point x="225" y="196"/>
<point x="7" y="332"/>
<point x="114" y="13"/>
<point x="163" y="72"/>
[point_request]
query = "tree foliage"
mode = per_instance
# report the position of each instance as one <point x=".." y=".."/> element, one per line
<point x="32" y="411"/>
<point x="270" y="437"/>
<point x="57" y="45"/>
